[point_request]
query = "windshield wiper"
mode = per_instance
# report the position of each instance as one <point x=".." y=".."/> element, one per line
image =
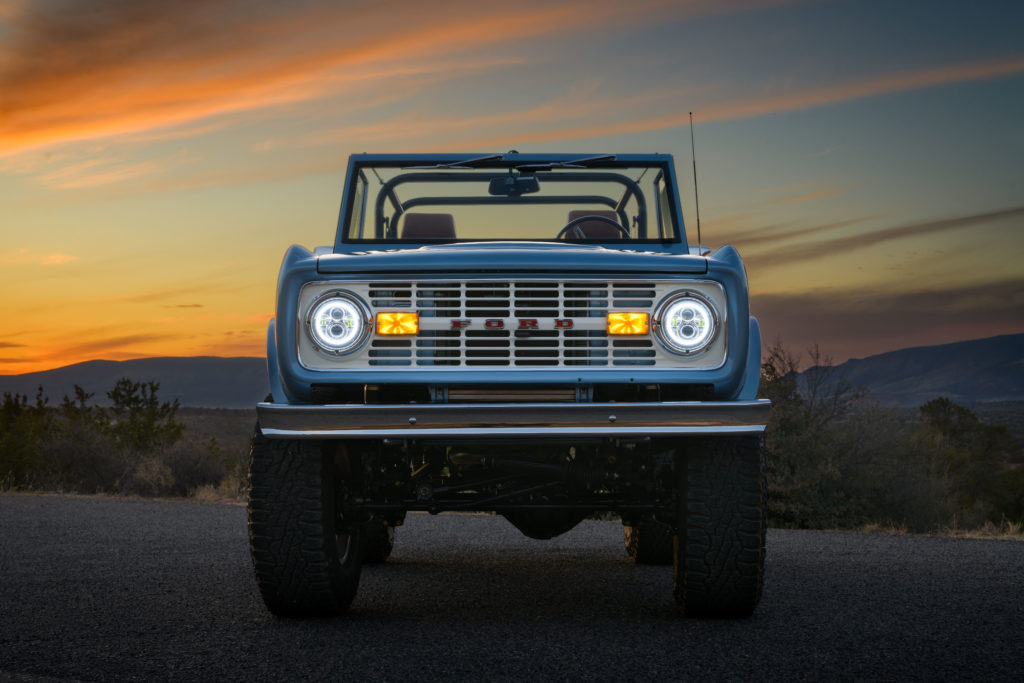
<point x="575" y="163"/>
<point x="465" y="164"/>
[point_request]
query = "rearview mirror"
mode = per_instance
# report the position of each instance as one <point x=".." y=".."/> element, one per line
<point x="513" y="185"/>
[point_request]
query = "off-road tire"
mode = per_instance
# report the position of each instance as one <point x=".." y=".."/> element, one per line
<point x="649" y="542"/>
<point x="720" y="543"/>
<point x="377" y="541"/>
<point x="307" y="562"/>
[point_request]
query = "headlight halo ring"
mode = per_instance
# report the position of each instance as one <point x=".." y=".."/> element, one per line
<point x="352" y="339"/>
<point x="664" y="337"/>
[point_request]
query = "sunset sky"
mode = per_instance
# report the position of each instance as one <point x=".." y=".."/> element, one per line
<point x="156" y="158"/>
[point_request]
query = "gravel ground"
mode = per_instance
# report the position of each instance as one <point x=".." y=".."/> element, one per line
<point x="109" y="589"/>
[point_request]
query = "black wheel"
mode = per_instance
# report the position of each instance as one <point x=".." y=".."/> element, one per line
<point x="378" y="540"/>
<point x="307" y="560"/>
<point x="720" y="544"/>
<point x="649" y="541"/>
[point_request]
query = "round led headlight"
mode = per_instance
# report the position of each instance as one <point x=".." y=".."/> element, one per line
<point x="686" y="323"/>
<point x="338" y="322"/>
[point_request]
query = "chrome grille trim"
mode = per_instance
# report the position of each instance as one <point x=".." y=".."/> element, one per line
<point x="544" y="301"/>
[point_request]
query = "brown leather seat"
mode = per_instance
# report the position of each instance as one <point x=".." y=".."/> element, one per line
<point x="428" y="226"/>
<point x="597" y="230"/>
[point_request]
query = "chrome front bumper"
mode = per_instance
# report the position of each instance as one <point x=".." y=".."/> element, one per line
<point x="446" y="420"/>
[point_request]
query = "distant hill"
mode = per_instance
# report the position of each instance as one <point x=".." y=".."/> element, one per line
<point x="201" y="381"/>
<point x="980" y="370"/>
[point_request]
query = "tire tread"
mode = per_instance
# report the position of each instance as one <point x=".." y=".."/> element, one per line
<point x="720" y="548"/>
<point x="292" y="530"/>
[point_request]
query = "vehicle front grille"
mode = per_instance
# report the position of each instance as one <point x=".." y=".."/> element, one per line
<point x="496" y="334"/>
<point x="469" y="324"/>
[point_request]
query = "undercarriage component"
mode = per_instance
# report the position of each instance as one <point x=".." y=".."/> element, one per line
<point x="649" y="541"/>
<point x="544" y="524"/>
<point x="377" y="541"/>
<point x="544" y="491"/>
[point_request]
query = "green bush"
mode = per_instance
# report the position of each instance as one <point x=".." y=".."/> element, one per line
<point x="135" y="446"/>
<point x="838" y="460"/>
<point x="835" y="458"/>
<point x="23" y="426"/>
<point x="138" y="420"/>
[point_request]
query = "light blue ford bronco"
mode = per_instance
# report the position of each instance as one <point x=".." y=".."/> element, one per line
<point x="524" y="334"/>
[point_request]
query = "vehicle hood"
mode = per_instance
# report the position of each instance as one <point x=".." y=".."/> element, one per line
<point x="511" y="256"/>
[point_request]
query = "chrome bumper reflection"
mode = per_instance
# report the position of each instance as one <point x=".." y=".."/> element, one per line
<point x="441" y="420"/>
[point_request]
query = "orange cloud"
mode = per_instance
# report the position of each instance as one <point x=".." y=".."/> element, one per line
<point x="57" y="259"/>
<point x="108" y="69"/>
<point x="767" y="234"/>
<point x="842" y="245"/>
<point x="99" y="347"/>
<point x="848" y="322"/>
<point x="55" y="354"/>
<point x="775" y="104"/>
<point x="97" y="172"/>
<point x="115" y="69"/>
<point x="245" y="343"/>
<point x="23" y="257"/>
<point x="154" y="295"/>
<point x="809" y="196"/>
<point x="182" y="333"/>
<point x="570" y="106"/>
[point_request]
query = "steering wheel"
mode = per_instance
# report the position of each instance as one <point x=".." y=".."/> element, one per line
<point x="577" y="231"/>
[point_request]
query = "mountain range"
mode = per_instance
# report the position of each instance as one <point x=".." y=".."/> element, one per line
<point x="980" y="370"/>
<point x="200" y="381"/>
<point x="976" y="371"/>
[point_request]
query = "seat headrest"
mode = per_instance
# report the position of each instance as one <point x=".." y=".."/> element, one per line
<point x="428" y="226"/>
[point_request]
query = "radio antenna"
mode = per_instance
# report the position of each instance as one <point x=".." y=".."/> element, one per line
<point x="696" y="199"/>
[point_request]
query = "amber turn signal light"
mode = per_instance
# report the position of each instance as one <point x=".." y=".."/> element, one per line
<point x="628" y="323"/>
<point x="398" y="323"/>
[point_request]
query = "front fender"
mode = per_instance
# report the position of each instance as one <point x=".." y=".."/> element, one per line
<point x="273" y="370"/>
<point x="752" y="373"/>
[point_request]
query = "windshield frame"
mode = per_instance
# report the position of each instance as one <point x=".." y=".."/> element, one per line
<point x="547" y="168"/>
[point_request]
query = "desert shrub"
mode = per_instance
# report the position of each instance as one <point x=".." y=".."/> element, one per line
<point x="83" y="447"/>
<point x="980" y="461"/>
<point x="807" y="457"/>
<point x="23" y="426"/>
<point x="192" y="465"/>
<point x="838" y="460"/>
<point x="78" y="452"/>
<point x="81" y="458"/>
<point x="894" y="482"/>
<point x="137" y="418"/>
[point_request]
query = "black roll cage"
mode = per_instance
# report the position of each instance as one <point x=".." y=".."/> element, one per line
<point x="389" y="229"/>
